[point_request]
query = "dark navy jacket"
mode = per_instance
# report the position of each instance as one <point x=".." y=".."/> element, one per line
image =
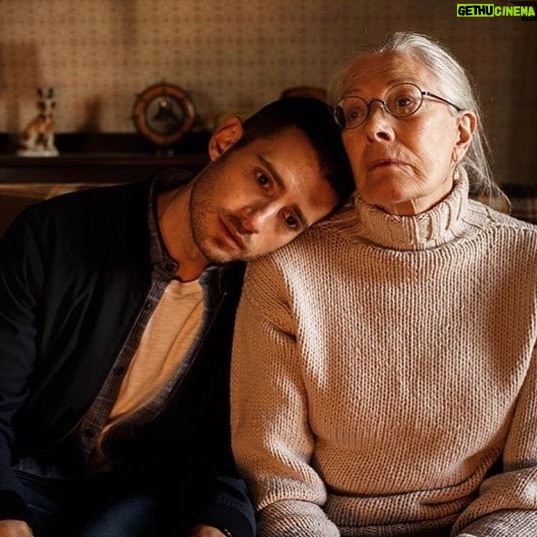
<point x="74" y="274"/>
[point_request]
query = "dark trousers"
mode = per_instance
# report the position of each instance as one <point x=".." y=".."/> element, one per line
<point x="97" y="507"/>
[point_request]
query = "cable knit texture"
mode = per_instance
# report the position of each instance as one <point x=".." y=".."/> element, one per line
<point x="382" y="365"/>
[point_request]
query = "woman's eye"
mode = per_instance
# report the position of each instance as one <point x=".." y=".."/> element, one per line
<point x="291" y="221"/>
<point x="355" y="114"/>
<point x="262" y="179"/>
<point x="403" y="104"/>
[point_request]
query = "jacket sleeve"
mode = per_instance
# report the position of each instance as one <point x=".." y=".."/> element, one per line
<point x="21" y="278"/>
<point x="225" y="504"/>
<point x="272" y="441"/>
<point x="507" y="502"/>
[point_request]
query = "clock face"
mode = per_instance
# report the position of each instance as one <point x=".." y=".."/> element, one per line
<point x="163" y="113"/>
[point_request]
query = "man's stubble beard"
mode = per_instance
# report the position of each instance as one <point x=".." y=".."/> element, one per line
<point x="200" y="209"/>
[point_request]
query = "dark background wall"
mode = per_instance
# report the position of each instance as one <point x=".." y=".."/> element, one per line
<point x="234" y="56"/>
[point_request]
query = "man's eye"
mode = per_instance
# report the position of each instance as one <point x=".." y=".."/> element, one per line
<point x="262" y="179"/>
<point x="291" y="221"/>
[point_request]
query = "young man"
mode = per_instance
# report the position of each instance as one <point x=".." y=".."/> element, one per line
<point x="116" y="314"/>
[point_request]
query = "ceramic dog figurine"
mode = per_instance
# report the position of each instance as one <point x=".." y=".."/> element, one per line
<point x="37" y="139"/>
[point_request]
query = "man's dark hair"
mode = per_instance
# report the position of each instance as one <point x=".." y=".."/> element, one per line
<point x="314" y="119"/>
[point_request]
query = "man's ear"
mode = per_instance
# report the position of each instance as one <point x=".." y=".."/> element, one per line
<point x="226" y="134"/>
<point x="465" y="132"/>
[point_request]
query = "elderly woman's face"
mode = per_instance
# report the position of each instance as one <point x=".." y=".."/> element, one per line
<point x="403" y="164"/>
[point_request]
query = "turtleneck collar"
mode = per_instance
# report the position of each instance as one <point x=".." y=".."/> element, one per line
<point x="429" y="229"/>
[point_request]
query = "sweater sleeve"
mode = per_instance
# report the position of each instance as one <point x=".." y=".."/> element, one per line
<point x="21" y="276"/>
<point x="507" y="502"/>
<point x="272" y="441"/>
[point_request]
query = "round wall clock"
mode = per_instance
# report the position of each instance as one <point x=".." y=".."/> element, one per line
<point x="163" y="113"/>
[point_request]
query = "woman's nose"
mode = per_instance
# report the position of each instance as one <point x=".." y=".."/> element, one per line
<point x="378" y="124"/>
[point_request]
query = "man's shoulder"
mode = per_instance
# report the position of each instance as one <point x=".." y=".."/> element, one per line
<point x="104" y="196"/>
<point x="84" y="223"/>
<point x="99" y="204"/>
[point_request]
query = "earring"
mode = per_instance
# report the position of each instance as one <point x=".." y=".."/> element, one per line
<point x="455" y="162"/>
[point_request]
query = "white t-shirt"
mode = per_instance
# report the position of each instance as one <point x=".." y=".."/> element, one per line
<point x="164" y="344"/>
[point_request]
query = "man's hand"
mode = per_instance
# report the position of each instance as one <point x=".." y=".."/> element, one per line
<point x="199" y="531"/>
<point x="18" y="528"/>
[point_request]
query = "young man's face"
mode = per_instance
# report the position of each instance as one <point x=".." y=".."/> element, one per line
<point x="258" y="198"/>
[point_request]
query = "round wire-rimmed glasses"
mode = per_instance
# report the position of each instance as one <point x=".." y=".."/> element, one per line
<point x="401" y="100"/>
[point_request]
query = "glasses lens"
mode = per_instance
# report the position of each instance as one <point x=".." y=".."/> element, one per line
<point x="403" y="99"/>
<point x="351" y="112"/>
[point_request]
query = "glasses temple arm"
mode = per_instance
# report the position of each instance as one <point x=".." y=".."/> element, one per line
<point x="429" y="94"/>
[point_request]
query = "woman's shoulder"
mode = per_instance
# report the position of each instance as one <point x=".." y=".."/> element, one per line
<point x="502" y="230"/>
<point x="335" y="226"/>
<point x="487" y="216"/>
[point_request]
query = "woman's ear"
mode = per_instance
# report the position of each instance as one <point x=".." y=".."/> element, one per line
<point x="226" y="134"/>
<point x="465" y="132"/>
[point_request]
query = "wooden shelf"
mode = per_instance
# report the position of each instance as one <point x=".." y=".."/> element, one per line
<point x="92" y="167"/>
<point x="101" y="158"/>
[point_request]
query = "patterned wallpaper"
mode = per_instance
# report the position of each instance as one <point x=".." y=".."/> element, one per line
<point x="234" y="56"/>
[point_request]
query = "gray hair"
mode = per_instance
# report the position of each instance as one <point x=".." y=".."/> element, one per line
<point x="456" y="87"/>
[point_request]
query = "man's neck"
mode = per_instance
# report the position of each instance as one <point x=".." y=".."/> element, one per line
<point x="174" y="221"/>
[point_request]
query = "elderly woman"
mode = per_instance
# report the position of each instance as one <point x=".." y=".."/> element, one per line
<point x="384" y="382"/>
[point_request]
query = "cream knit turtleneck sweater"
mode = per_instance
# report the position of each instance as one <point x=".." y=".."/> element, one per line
<point x="382" y="365"/>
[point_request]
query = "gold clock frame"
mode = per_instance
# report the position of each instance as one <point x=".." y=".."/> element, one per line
<point x="171" y="97"/>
